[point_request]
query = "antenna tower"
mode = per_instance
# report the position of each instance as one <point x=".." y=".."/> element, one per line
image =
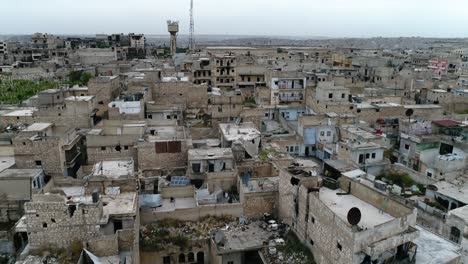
<point x="192" y="29"/>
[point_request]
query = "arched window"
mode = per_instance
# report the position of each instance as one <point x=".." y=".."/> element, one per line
<point x="181" y="258"/>
<point x="191" y="257"/>
<point x="200" y="257"/>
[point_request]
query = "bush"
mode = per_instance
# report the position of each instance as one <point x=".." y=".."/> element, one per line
<point x="401" y="179"/>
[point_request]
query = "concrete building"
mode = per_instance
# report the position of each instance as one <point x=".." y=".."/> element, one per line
<point x="224" y="70"/>
<point x="216" y="166"/>
<point x="17" y="186"/>
<point x="243" y="138"/>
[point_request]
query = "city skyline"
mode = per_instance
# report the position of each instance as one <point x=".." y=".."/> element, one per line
<point x="334" y="18"/>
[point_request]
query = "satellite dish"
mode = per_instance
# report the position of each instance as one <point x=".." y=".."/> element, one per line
<point x="354" y="216"/>
<point x="409" y="112"/>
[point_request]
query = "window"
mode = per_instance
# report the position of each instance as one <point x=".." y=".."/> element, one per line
<point x="338" y="245"/>
<point x="328" y="133"/>
<point x="429" y="174"/>
<point x="322" y="133"/>
<point x="182" y="258"/>
<point x="103" y="148"/>
<point x="406" y="146"/>
<point x="38" y="163"/>
<point x="44" y="225"/>
<point x="330" y="95"/>
<point x="311" y="242"/>
<point x="167" y="260"/>
<point x="296" y="148"/>
<point x="125" y="147"/>
<point x="312" y="219"/>
<point x="220" y="109"/>
<point x="367" y="155"/>
<point x="373" y="155"/>
<point x="191" y="257"/>
<point x="342" y="95"/>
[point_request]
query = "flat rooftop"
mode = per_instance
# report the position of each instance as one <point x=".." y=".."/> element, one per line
<point x="6" y="162"/>
<point x="458" y="192"/>
<point x="422" y="106"/>
<point x="102" y="79"/>
<point x="37" y="127"/>
<point x="341" y="204"/>
<point x="355" y="130"/>
<point x="120" y="204"/>
<point x="179" y="203"/>
<point x="435" y="249"/>
<point x="210" y="154"/>
<point x="113" y="204"/>
<point x="21" y="112"/>
<point x="19" y="173"/>
<point x="79" y="98"/>
<point x="114" y="169"/>
<point x="243" y="132"/>
<point x="165" y="133"/>
<point x="245" y="238"/>
<point x="259" y="185"/>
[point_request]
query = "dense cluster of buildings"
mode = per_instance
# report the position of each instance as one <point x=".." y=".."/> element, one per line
<point x="234" y="154"/>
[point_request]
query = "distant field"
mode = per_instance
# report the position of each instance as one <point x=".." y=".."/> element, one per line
<point x="16" y="91"/>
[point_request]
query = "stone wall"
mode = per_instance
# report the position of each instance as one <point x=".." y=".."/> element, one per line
<point x="148" y="159"/>
<point x="104" y="246"/>
<point x="148" y="215"/>
<point x="49" y="221"/>
<point x="27" y="152"/>
<point x="258" y="203"/>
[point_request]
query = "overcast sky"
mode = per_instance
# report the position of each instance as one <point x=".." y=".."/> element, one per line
<point x="331" y="18"/>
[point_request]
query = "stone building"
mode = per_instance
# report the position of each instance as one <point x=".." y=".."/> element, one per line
<point x="57" y="150"/>
<point x="101" y="214"/>
<point x="163" y="148"/>
<point x="104" y="88"/>
<point x="224" y="106"/>
<point x="330" y="98"/>
<point x="114" y="140"/>
<point x="317" y="209"/>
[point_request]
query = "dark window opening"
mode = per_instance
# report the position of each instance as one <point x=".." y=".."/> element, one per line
<point x="118" y="148"/>
<point x="103" y="148"/>
<point x="338" y="245"/>
<point x="181" y="258"/>
<point x="117" y="225"/>
<point x="191" y="257"/>
<point x="44" y="224"/>
<point x="38" y="163"/>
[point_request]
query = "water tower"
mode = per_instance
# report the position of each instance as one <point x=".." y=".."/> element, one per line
<point x="173" y="28"/>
